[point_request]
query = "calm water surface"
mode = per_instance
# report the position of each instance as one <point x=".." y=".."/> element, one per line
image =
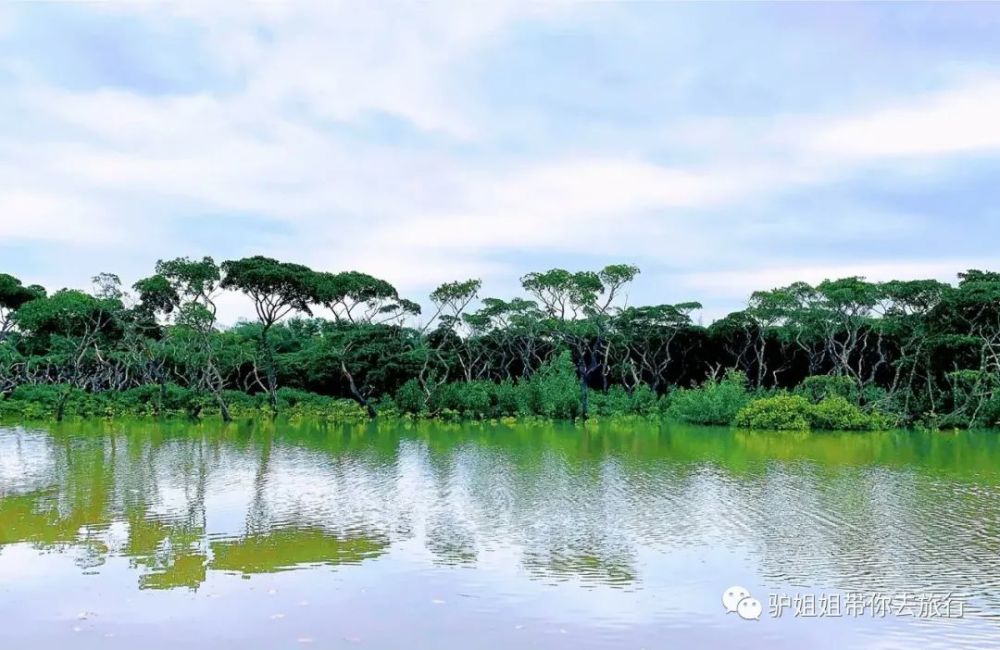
<point x="291" y="535"/>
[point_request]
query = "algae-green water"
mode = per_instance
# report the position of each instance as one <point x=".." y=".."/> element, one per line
<point x="125" y="534"/>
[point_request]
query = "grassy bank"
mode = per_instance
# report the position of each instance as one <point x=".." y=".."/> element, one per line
<point x="827" y="403"/>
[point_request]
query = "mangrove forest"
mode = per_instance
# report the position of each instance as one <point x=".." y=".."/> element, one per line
<point x="843" y="354"/>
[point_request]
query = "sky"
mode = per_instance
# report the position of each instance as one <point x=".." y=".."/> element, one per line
<point x="722" y="148"/>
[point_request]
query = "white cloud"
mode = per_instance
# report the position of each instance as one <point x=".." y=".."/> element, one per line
<point x="954" y="121"/>
<point x="285" y="138"/>
<point x="342" y="60"/>
<point x="565" y="202"/>
<point x="43" y="216"/>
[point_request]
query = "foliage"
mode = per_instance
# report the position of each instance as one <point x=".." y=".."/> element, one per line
<point x="780" y="412"/>
<point x="554" y="391"/>
<point x="836" y="413"/>
<point x="819" y="387"/>
<point x="714" y="402"/>
<point x="790" y="412"/>
<point x="410" y="398"/>
<point x="860" y="353"/>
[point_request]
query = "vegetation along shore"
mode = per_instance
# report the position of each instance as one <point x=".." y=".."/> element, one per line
<point x="844" y="354"/>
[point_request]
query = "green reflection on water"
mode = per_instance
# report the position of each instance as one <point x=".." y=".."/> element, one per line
<point x="284" y="549"/>
<point x="579" y="502"/>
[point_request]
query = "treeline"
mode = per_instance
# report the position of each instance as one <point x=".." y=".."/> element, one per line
<point x="901" y="352"/>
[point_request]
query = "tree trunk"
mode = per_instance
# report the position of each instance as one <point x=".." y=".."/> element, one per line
<point x="270" y="372"/>
<point x="61" y="405"/>
<point x="162" y="381"/>
<point x="215" y="385"/>
<point x="355" y="393"/>
<point x="223" y="407"/>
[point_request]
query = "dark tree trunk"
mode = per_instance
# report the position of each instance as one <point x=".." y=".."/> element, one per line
<point x="590" y="362"/>
<point x="161" y="380"/>
<point x="355" y="393"/>
<point x="223" y="407"/>
<point x="61" y="406"/>
<point x="270" y="372"/>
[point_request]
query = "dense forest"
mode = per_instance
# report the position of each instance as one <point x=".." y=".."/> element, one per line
<point x="846" y="353"/>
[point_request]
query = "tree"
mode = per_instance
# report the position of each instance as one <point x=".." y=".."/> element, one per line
<point x="970" y="316"/>
<point x="354" y="297"/>
<point x="277" y="289"/>
<point x="844" y="314"/>
<point x="185" y="290"/>
<point x="908" y="309"/>
<point x="12" y="295"/>
<point x="648" y="335"/>
<point x="916" y="349"/>
<point x="365" y="309"/>
<point x="508" y="337"/>
<point x="443" y="344"/>
<point x="783" y="315"/>
<point x="144" y="335"/>
<point x="580" y="306"/>
<point x="72" y="327"/>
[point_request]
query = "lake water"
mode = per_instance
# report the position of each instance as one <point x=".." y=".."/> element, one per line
<point x="291" y="535"/>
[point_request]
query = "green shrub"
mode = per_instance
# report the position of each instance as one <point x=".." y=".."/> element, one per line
<point x="32" y="402"/>
<point x="819" y="387"/>
<point x="475" y="398"/>
<point x="782" y="412"/>
<point x="837" y="413"/>
<point x="644" y="401"/>
<point x="410" y="398"/>
<point x="618" y="401"/>
<point x="714" y="402"/>
<point x="614" y="401"/>
<point x="557" y="389"/>
<point x="444" y="397"/>
<point x="149" y="399"/>
<point x="44" y="395"/>
<point x="529" y="398"/>
<point x="239" y="399"/>
<point x="785" y="412"/>
<point x="289" y="397"/>
<point x="505" y="398"/>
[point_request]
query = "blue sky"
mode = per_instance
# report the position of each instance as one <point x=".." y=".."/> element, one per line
<point x="720" y="147"/>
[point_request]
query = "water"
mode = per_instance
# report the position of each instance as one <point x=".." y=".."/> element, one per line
<point x="290" y="535"/>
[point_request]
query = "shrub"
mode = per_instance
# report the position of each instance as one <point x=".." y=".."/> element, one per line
<point x="837" y="413"/>
<point x="614" y="401"/>
<point x="785" y="412"/>
<point x="475" y="398"/>
<point x="410" y="398"/>
<point x="47" y="394"/>
<point x="289" y="397"/>
<point x="556" y="388"/>
<point x="505" y="398"/>
<point x="32" y="402"/>
<point x="529" y="398"/>
<point x="445" y="397"/>
<point x="782" y="412"/>
<point x="618" y="401"/>
<point x="644" y="400"/>
<point x="819" y="387"/>
<point x="714" y="402"/>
